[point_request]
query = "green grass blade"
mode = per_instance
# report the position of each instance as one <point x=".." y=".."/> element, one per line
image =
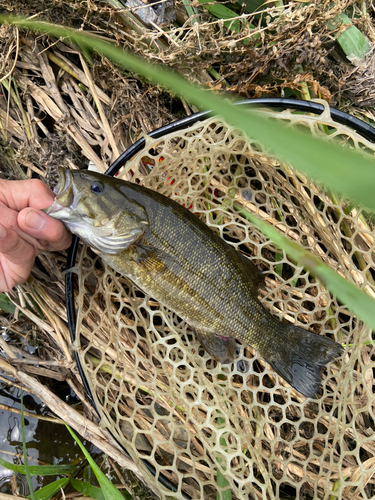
<point x="191" y="11"/>
<point x="87" y="489"/>
<point x="279" y="267"/>
<point x="93" y="491"/>
<point x="222" y="12"/>
<point x="39" y="470"/>
<point x="356" y="300"/>
<point x="6" y="305"/>
<point x="220" y="480"/>
<point x="25" y="459"/>
<point x="109" y="491"/>
<point x="254" y="5"/>
<point x="223" y="483"/>
<point x="51" y="489"/>
<point x="354" y="44"/>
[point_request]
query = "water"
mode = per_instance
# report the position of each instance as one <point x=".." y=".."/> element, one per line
<point x="47" y="443"/>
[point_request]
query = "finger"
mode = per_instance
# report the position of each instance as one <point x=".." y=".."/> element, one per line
<point x="8" y="219"/>
<point x="14" y="248"/>
<point x="39" y="225"/>
<point x="21" y="194"/>
<point x="16" y="259"/>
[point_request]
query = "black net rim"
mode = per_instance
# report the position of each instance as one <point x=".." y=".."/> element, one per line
<point x="361" y="127"/>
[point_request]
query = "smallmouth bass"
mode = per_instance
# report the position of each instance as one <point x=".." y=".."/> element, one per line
<point x="173" y="256"/>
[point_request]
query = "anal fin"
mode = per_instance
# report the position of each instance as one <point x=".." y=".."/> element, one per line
<point x="223" y="349"/>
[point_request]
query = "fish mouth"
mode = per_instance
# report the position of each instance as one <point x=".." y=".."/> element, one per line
<point x="64" y="180"/>
<point x="65" y="199"/>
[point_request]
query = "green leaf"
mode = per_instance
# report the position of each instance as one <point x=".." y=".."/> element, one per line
<point x="254" y="5"/>
<point x="6" y="305"/>
<point x="51" y="489"/>
<point x="25" y="459"/>
<point x="222" y="12"/>
<point x="220" y="480"/>
<point x="354" y="44"/>
<point x="93" y="491"/>
<point x="109" y="491"/>
<point x="335" y="24"/>
<point x="279" y="267"/>
<point x="87" y="489"/>
<point x="39" y="470"/>
<point x="223" y="483"/>
<point x="191" y="11"/>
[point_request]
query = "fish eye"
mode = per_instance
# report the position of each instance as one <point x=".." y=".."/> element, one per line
<point x="97" y="187"/>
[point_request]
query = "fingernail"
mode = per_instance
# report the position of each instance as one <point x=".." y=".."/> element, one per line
<point x="34" y="220"/>
<point x="3" y="231"/>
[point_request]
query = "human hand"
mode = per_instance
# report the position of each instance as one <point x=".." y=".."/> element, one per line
<point x="25" y="231"/>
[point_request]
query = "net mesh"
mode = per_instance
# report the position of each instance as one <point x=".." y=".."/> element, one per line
<point x="210" y="428"/>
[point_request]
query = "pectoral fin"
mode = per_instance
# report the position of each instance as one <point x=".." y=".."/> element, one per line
<point x="223" y="349"/>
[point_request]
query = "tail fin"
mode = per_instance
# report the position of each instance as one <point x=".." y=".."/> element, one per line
<point x="302" y="358"/>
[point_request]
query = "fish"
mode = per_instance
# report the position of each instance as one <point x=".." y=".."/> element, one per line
<point x="173" y="256"/>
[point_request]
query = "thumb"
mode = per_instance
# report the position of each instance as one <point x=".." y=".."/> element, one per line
<point x="42" y="227"/>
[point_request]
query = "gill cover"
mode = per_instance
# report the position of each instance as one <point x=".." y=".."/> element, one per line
<point x="94" y="207"/>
